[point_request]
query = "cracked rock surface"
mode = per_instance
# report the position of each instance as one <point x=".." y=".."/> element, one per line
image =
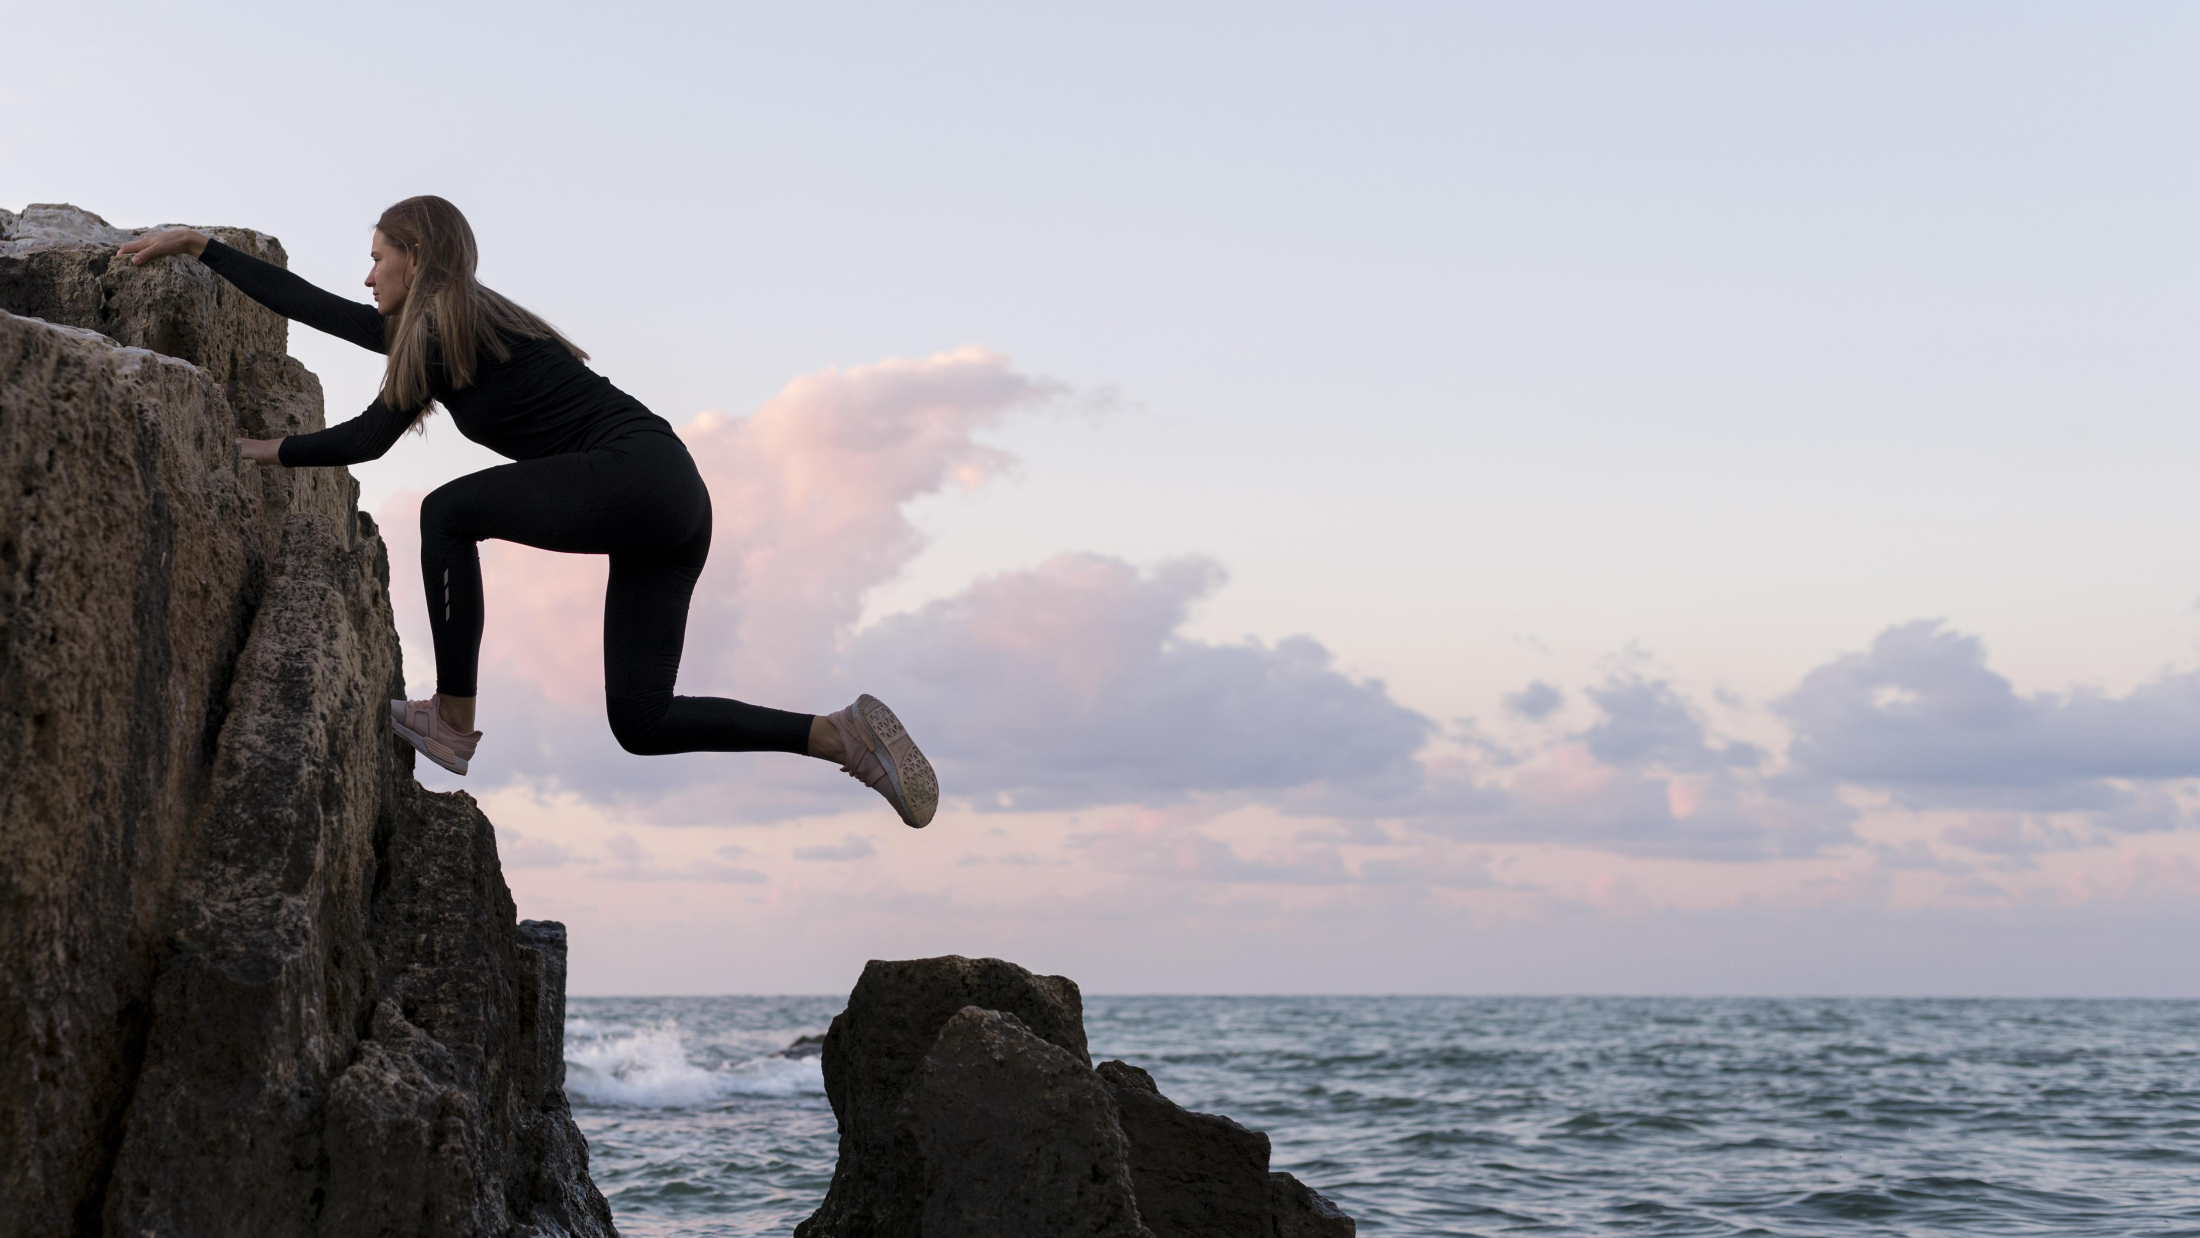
<point x="258" y="980"/>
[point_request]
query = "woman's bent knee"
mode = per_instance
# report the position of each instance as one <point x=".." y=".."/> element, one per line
<point x="436" y="511"/>
<point x="443" y="511"/>
<point x="635" y="722"/>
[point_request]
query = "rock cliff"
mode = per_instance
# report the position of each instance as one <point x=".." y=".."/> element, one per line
<point x="257" y="981"/>
<point x="969" y="1108"/>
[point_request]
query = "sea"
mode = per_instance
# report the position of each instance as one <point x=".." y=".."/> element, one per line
<point x="1493" y="1115"/>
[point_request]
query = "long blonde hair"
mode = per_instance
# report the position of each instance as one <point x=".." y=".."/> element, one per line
<point x="447" y="309"/>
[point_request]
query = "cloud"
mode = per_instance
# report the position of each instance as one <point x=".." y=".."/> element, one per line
<point x="1916" y="857"/>
<point x="1068" y="685"/>
<point x="634" y="865"/>
<point x="853" y="847"/>
<point x="1152" y="846"/>
<point x="2013" y="839"/>
<point x="1535" y="702"/>
<point x="1646" y="777"/>
<point x="693" y="870"/>
<point x="517" y="850"/>
<point x="1920" y="716"/>
<point x="1646" y="722"/>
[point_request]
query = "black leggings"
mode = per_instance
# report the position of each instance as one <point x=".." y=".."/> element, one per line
<point x="639" y="500"/>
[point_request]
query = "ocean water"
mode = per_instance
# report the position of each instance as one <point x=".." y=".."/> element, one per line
<point x="1539" y="1116"/>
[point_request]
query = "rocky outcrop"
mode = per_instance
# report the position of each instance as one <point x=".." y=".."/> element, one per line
<point x="874" y="1053"/>
<point x="968" y="1105"/>
<point x="1300" y="1211"/>
<point x="1201" y="1174"/>
<point x="1015" y="1136"/>
<point x="259" y="981"/>
<point x="1197" y="1173"/>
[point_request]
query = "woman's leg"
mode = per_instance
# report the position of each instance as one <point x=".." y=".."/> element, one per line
<point x="644" y="626"/>
<point x="640" y="501"/>
<point x="645" y="621"/>
<point x="583" y="503"/>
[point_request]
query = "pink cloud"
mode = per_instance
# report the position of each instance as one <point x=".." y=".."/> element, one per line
<point x="807" y="495"/>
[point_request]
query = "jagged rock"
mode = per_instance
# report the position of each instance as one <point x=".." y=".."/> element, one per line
<point x="1198" y="1175"/>
<point x="455" y="1107"/>
<point x="1014" y="1136"/>
<point x="1203" y="1175"/>
<point x="1300" y="1211"/>
<point x="872" y="1055"/>
<point x="967" y="1105"/>
<point x="258" y="980"/>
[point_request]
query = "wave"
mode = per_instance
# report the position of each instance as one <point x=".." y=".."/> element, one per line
<point x="651" y="1068"/>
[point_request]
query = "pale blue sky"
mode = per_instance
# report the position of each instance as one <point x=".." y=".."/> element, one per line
<point x="1483" y="343"/>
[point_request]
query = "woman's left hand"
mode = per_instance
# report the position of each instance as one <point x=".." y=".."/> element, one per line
<point x="260" y="450"/>
<point x="161" y="244"/>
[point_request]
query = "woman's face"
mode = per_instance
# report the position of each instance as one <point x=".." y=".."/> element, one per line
<point x="392" y="275"/>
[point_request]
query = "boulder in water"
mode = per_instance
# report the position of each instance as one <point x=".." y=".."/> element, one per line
<point x="1300" y="1211"/>
<point x="967" y="1105"/>
<point x="1198" y="1175"/>
<point x="873" y="1054"/>
<point x="1014" y="1135"/>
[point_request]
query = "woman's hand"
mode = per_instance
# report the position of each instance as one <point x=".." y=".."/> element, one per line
<point x="161" y="244"/>
<point x="260" y="450"/>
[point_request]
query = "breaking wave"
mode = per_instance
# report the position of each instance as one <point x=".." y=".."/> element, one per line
<point x="654" y="1067"/>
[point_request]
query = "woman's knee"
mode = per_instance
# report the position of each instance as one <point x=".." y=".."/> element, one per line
<point x="635" y="721"/>
<point x="442" y="512"/>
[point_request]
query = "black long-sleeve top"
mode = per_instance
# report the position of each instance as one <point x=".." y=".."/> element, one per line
<point x="539" y="401"/>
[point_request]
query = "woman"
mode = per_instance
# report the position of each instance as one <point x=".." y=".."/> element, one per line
<point x="594" y="473"/>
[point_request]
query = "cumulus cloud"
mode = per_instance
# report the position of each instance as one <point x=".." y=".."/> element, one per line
<point x="1068" y="685"/>
<point x="1535" y="702"/>
<point x="1645" y="722"/>
<point x="1920" y="716"/>
<point x="1645" y="777"/>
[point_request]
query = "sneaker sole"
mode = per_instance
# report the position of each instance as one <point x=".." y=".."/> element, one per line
<point x="916" y="788"/>
<point x="456" y="765"/>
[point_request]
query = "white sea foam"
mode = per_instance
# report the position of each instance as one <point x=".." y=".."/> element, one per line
<point x="650" y="1068"/>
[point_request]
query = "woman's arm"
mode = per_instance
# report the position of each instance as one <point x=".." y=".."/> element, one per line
<point x="365" y="437"/>
<point x="268" y="284"/>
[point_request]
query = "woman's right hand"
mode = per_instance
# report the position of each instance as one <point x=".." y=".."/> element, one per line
<point x="161" y="244"/>
<point x="261" y="450"/>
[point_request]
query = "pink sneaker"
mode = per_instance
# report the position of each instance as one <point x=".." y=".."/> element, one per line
<point x="884" y="758"/>
<point x="418" y="724"/>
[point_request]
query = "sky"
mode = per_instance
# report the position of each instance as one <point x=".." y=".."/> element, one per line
<point x="1570" y="498"/>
